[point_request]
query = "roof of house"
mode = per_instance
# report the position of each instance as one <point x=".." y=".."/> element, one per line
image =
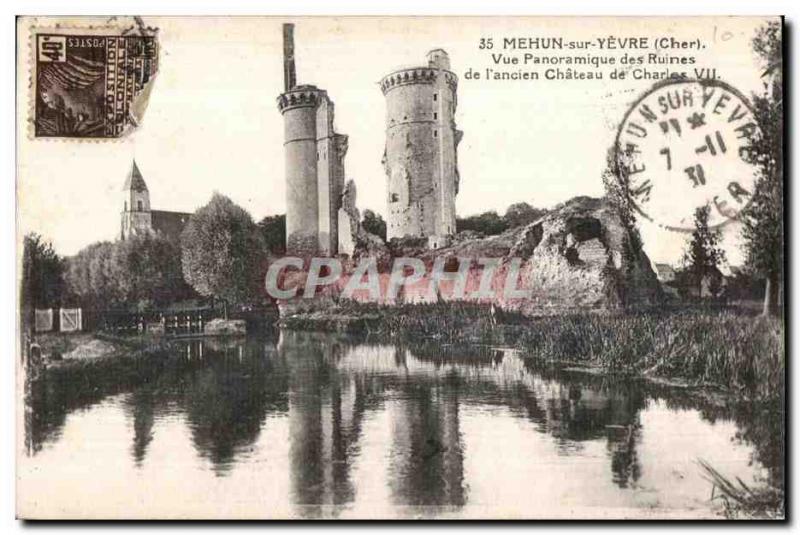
<point x="665" y="269"/>
<point x="134" y="180"/>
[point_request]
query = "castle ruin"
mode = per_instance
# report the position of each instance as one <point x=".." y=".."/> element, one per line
<point x="420" y="156"/>
<point x="314" y="156"/>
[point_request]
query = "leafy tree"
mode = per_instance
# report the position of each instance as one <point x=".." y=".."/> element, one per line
<point x="704" y="254"/>
<point x="42" y="275"/>
<point x="762" y="227"/>
<point x="223" y="252"/>
<point x="89" y="276"/>
<point x="487" y="223"/>
<point x="617" y="187"/>
<point x="616" y="183"/>
<point x="374" y="224"/>
<point x="146" y="270"/>
<point x="273" y="230"/>
<point x="520" y="214"/>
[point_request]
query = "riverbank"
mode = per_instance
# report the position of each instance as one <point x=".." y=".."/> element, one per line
<point x="462" y="336"/>
<point x="61" y="349"/>
<point x="724" y="348"/>
<point x="724" y="355"/>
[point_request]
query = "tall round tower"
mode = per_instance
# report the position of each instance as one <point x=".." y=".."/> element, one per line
<point x="420" y="155"/>
<point x="299" y="109"/>
<point x="314" y="154"/>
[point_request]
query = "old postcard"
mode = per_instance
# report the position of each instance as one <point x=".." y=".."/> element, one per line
<point x="400" y="268"/>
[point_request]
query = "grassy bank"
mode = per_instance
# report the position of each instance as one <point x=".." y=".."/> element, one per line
<point x="723" y="348"/>
<point x="449" y="322"/>
<point x="727" y="347"/>
<point x="63" y="348"/>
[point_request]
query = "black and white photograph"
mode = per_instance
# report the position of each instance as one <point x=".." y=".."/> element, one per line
<point x="400" y="268"/>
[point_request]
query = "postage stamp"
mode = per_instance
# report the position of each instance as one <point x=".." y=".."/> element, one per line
<point x="686" y="144"/>
<point x="91" y="86"/>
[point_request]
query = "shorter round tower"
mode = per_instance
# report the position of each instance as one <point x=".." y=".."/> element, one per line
<point x="420" y="155"/>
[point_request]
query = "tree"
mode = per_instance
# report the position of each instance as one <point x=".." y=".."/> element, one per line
<point x="704" y="254"/>
<point x="520" y="214"/>
<point x="762" y="227"/>
<point x="487" y="223"/>
<point x="616" y="183"/>
<point x="42" y="275"/>
<point x="89" y="276"/>
<point x="374" y="224"/>
<point x="273" y="231"/>
<point x="143" y="271"/>
<point x="223" y="252"/>
<point x="146" y="270"/>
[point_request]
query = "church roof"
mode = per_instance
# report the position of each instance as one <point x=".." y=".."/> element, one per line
<point x="134" y="180"/>
<point x="169" y="224"/>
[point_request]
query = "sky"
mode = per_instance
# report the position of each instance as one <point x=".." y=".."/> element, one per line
<point x="212" y="122"/>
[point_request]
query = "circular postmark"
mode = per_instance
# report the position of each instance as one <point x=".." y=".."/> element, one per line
<point x="686" y="144"/>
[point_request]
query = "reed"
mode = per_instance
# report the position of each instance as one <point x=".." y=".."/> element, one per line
<point x="729" y="348"/>
<point x="742" y="500"/>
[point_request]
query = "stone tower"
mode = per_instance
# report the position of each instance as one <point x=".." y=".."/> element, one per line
<point x="136" y="214"/>
<point x="314" y="159"/>
<point x="420" y="156"/>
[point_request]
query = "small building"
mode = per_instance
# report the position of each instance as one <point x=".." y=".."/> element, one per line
<point x="712" y="285"/>
<point x="665" y="273"/>
<point x="139" y="218"/>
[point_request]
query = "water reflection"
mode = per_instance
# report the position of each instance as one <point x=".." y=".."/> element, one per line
<point x="423" y="428"/>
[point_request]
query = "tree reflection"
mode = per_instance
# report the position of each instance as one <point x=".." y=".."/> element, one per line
<point x="227" y="399"/>
<point x="142" y="408"/>
<point x="326" y="386"/>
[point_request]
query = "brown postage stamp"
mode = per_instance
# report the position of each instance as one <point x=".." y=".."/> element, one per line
<point x="89" y="83"/>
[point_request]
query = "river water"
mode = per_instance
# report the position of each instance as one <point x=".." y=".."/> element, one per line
<point x="312" y="425"/>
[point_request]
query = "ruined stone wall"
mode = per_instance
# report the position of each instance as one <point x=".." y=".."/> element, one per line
<point x="331" y="149"/>
<point x="420" y="154"/>
<point x="326" y="153"/>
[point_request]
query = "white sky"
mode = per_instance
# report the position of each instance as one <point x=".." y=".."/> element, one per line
<point x="212" y="122"/>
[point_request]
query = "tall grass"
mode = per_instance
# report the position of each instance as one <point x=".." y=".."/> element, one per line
<point x="722" y="348"/>
<point x="742" y="500"/>
<point x="446" y="321"/>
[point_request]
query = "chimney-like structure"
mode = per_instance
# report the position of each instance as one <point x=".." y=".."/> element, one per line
<point x="314" y="155"/>
<point x="289" y="74"/>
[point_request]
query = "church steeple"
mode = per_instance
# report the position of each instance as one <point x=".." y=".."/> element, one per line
<point x="134" y="180"/>
<point x="136" y="215"/>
